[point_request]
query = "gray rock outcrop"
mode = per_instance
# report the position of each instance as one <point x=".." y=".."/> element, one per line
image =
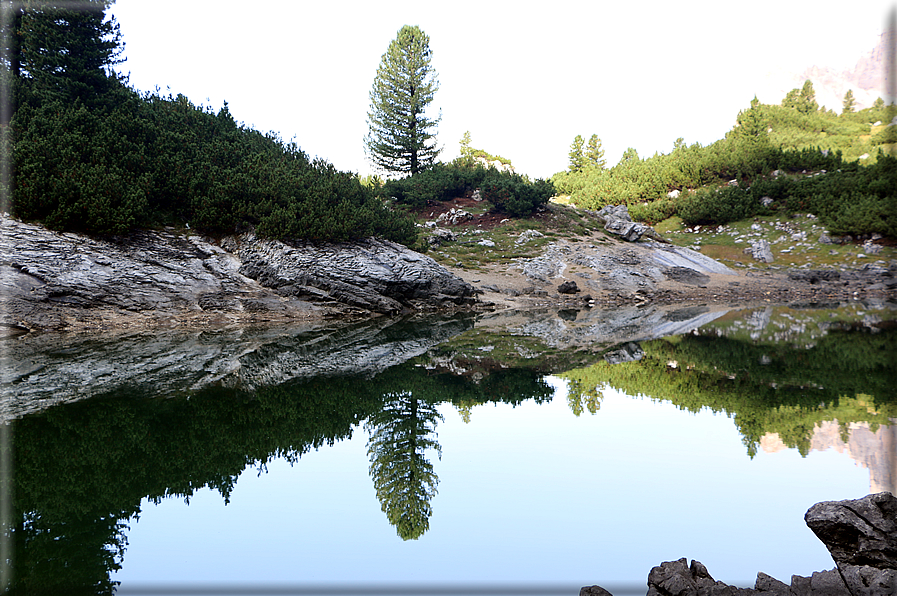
<point x="55" y="280"/>
<point x="860" y="534"/>
<point x="621" y="268"/>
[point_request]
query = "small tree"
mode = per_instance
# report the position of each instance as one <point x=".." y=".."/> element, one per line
<point x="808" y="103"/>
<point x="595" y="154"/>
<point x="751" y="123"/>
<point x="401" y="137"/>
<point x="577" y="155"/>
<point x="849" y="102"/>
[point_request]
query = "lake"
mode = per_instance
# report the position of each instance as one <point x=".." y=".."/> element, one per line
<point x="518" y="452"/>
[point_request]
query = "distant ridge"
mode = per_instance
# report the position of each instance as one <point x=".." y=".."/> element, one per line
<point x="867" y="78"/>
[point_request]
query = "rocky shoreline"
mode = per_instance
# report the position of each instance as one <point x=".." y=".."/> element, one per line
<point x="51" y="280"/>
<point x="860" y="534"/>
<point x="64" y="281"/>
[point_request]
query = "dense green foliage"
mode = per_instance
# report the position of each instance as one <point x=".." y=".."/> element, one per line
<point x="763" y="387"/>
<point x="400" y="137"/>
<point x="508" y="192"/>
<point x="92" y="155"/>
<point x="795" y="138"/>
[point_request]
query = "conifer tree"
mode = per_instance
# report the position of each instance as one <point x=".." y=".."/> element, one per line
<point x="65" y="50"/>
<point x="577" y="155"/>
<point x="404" y="480"/>
<point x="401" y="137"/>
<point x="808" y="103"/>
<point x="595" y="154"/>
<point x="849" y="102"/>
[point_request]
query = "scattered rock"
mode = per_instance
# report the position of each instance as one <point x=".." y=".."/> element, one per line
<point x="871" y="248"/>
<point x="814" y="276"/>
<point x="528" y="235"/>
<point x="454" y="217"/>
<point x="860" y="534"/>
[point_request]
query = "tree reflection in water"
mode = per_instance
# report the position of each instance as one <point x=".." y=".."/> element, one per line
<point x="400" y="435"/>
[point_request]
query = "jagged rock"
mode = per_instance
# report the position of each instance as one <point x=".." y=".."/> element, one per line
<point x="568" y="287"/>
<point x="859" y="532"/>
<point x="676" y="578"/>
<point x="863" y="580"/>
<point x="54" y="280"/>
<point x="375" y="275"/>
<point x="761" y="251"/>
<point x="686" y="275"/>
<point x="766" y="201"/>
<point x="617" y="221"/>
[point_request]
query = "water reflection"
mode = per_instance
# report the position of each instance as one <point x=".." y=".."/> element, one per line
<point x="786" y="377"/>
<point x="401" y="432"/>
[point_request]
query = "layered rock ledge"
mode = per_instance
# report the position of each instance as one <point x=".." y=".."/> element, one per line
<point x="51" y="280"/>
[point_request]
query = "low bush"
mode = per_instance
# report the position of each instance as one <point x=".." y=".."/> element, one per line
<point x="515" y="195"/>
<point x="142" y="161"/>
<point x="508" y="192"/>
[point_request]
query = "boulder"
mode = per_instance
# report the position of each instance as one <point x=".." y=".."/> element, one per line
<point x="617" y="221"/>
<point x="439" y="236"/>
<point x="859" y="532"/>
<point x="761" y="251"/>
<point x="568" y="287"/>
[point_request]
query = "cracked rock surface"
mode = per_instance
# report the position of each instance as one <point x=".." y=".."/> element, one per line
<point x="52" y="280"/>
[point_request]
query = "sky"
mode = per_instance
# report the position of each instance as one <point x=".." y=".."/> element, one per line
<point x="523" y="80"/>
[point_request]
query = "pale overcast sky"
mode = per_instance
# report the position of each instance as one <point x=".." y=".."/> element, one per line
<point x="524" y="79"/>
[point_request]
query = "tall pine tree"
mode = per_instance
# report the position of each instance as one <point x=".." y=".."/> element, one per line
<point x="577" y="155"/>
<point x="594" y="153"/>
<point x="401" y="137"/>
<point x="400" y="435"/>
<point x="66" y="51"/>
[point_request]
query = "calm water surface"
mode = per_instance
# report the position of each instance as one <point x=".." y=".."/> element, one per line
<point x="535" y="449"/>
